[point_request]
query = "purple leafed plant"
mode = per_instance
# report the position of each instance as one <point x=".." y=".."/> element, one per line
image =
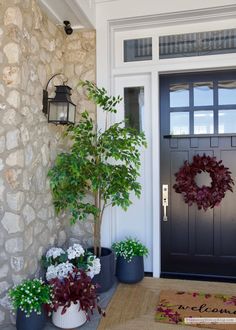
<point x="76" y="287"/>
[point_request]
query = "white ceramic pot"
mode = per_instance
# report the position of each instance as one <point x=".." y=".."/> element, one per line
<point x="71" y="319"/>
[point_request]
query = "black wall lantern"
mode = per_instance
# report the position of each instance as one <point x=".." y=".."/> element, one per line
<point x="60" y="109"/>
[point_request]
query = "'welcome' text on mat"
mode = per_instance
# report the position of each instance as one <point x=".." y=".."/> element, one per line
<point x="215" y="311"/>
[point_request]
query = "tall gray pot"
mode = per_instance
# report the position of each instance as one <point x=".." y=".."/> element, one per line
<point x="130" y="272"/>
<point x="106" y="278"/>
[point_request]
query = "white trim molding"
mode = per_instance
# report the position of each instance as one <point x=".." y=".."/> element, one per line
<point x="175" y="18"/>
<point x="113" y="27"/>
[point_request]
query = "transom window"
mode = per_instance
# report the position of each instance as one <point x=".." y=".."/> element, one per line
<point x="182" y="45"/>
<point x="197" y="44"/>
<point x="138" y="50"/>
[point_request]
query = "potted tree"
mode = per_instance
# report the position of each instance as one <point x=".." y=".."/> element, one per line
<point x="29" y="299"/>
<point x="104" y="164"/>
<point x="129" y="264"/>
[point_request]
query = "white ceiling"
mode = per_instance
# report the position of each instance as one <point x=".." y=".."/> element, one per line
<point x="80" y="13"/>
<point x="99" y="1"/>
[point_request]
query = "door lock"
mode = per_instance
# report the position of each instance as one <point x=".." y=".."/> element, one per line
<point x="165" y="200"/>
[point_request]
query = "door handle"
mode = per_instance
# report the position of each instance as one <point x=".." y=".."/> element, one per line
<point x="165" y="200"/>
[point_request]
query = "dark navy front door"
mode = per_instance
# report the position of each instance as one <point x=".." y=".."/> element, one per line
<point x="198" y="115"/>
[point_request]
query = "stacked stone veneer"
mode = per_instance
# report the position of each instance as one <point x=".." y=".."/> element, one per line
<point x="32" y="49"/>
<point x="79" y="64"/>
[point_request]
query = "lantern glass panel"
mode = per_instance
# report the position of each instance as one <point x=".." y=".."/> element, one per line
<point x="72" y="108"/>
<point x="58" y="111"/>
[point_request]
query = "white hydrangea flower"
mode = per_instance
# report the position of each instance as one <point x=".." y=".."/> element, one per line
<point x="60" y="271"/>
<point x="95" y="268"/>
<point x="75" y="251"/>
<point x="51" y="273"/>
<point x="54" y="252"/>
<point x="63" y="269"/>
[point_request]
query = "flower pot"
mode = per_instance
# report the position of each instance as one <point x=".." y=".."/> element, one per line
<point x="34" y="321"/>
<point x="72" y="318"/>
<point x="130" y="272"/>
<point x="106" y="278"/>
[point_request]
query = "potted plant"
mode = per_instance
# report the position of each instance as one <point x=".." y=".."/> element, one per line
<point x="102" y="163"/>
<point x="29" y="299"/>
<point x="74" y="299"/>
<point x="129" y="264"/>
<point x="58" y="261"/>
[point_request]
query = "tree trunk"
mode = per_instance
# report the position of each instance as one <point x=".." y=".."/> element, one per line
<point x="97" y="236"/>
<point x="97" y="226"/>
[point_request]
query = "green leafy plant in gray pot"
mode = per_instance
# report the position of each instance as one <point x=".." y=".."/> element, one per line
<point x="29" y="300"/>
<point x="129" y="264"/>
<point x="102" y="163"/>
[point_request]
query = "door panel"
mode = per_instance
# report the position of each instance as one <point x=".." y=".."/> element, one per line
<point x="179" y="227"/>
<point x="195" y="242"/>
<point x="228" y="211"/>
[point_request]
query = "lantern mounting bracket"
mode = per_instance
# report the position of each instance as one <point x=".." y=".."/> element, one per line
<point x="45" y="92"/>
<point x="60" y="109"/>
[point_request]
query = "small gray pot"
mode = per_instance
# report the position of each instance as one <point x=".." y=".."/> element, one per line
<point x="33" y="322"/>
<point x="130" y="272"/>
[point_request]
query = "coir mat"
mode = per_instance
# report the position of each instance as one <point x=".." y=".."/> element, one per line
<point x="200" y="309"/>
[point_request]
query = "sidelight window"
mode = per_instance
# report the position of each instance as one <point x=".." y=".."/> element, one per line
<point x="134" y="106"/>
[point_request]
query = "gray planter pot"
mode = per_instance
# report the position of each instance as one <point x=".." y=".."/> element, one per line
<point x="33" y="322"/>
<point x="130" y="272"/>
<point x="106" y="278"/>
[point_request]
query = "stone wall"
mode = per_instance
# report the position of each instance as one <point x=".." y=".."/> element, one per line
<point x="32" y="49"/>
<point x="79" y="62"/>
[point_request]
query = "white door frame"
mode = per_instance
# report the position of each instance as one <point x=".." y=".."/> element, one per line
<point x="112" y="68"/>
<point x="137" y="220"/>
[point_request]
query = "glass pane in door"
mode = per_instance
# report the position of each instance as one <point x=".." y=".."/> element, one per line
<point x="179" y="95"/>
<point x="227" y="120"/>
<point x="179" y="123"/>
<point x="203" y="93"/>
<point x="227" y="92"/>
<point x="203" y="122"/>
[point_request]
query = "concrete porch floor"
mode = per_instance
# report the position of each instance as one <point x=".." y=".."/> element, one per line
<point x="141" y="299"/>
<point x="153" y="286"/>
<point x="91" y="325"/>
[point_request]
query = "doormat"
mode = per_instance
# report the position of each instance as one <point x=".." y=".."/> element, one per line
<point x="199" y="309"/>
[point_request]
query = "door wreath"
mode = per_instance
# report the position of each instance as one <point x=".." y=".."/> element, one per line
<point x="206" y="196"/>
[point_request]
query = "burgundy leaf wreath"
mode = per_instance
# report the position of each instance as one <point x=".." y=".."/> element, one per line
<point x="205" y="196"/>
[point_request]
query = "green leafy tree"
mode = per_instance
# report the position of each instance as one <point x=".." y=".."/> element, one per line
<point x="102" y="163"/>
